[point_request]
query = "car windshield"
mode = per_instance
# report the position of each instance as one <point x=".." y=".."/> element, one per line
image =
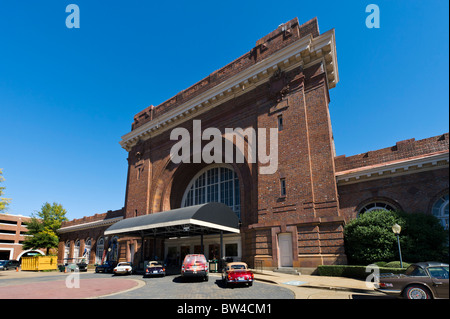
<point x="124" y="264"/>
<point x="195" y="259"/>
<point x="415" y="271"/>
<point x="237" y="267"/>
<point x="154" y="264"/>
<point x="438" y="272"/>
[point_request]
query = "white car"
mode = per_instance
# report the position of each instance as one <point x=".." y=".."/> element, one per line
<point x="123" y="268"/>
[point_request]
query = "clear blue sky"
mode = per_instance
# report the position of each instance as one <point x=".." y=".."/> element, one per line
<point x="68" y="95"/>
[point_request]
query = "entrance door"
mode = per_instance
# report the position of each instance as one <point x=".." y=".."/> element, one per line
<point x="285" y="249"/>
<point x="131" y="253"/>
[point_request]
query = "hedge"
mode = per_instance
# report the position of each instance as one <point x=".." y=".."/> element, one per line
<point x="356" y="272"/>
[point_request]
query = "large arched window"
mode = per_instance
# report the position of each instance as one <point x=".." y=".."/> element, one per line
<point x="99" y="251"/>
<point x="440" y="210"/>
<point x="87" y="250"/>
<point x="76" y="250"/>
<point x="214" y="184"/>
<point x="66" y="250"/>
<point x="376" y="206"/>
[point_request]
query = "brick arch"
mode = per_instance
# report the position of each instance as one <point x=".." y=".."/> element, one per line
<point x="370" y="200"/>
<point x="435" y="198"/>
<point x="171" y="182"/>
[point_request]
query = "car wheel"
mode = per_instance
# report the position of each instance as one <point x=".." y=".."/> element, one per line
<point x="417" y="292"/>
<point x="206" y="278"/>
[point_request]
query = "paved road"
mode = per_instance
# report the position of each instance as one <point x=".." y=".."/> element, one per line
<point x="173" y="287"/>
<point x="132" y="287"/>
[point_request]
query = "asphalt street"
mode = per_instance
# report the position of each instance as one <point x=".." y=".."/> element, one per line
<point x="134" y="287"/>
<point x="174" y="287"/>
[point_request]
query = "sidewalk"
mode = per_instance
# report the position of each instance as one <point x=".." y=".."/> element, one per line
<point x="318" y="287"/>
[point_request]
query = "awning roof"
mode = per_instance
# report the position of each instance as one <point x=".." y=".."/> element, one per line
<point x="208" y="218"/>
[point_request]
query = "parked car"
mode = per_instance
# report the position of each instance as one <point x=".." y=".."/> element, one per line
<point x="424" y="280"/>
<point x="236" y="273"/>
<point x="195" y="266"/>
<point x="9" y="264"/>
<point x="155" y="268"/>
<point x="123" y="268"/>
<point x="107" y="266"/>
<point x="72" y="264"/>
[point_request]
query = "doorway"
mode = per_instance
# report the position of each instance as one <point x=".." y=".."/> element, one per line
<point x="285" y="249"/>
<point x="132" y="253"/>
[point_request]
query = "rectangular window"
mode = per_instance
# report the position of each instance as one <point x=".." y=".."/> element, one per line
<point x="280" y="123"/>
<point x="283" y="187"/>
<point x="231" y="250"/>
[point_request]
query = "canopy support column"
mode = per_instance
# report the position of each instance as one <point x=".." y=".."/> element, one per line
<point x="221" y="261"/>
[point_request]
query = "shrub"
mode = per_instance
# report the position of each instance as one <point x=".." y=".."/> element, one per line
<point x="370" y="239"/>
<point x="396" y="264"/>
<point x="356" y="272"/>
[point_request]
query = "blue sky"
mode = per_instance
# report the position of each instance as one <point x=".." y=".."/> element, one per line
<point x="68" y="95"/>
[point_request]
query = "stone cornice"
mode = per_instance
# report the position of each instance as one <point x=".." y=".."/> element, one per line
<point x="303" y="52"/>
<point x="411" y="165"/>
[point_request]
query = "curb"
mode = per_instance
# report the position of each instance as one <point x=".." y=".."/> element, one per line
<point x="334" y="288"/>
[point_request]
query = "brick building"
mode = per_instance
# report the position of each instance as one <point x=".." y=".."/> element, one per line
<point x="292" y="217"/>
<point x="12" y="235"/>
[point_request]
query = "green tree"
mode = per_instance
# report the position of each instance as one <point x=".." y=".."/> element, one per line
<point x="3" y="201"/>
<point x="370" y="239"/>
<point x="43" y="227"/>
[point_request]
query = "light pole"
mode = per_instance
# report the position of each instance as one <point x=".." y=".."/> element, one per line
<point x="396" y="228"/>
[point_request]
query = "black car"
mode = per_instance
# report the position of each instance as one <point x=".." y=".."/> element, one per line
<point x="107" y="266"/>
<point x="9" y="264"/>
<point x="155" y="268"/>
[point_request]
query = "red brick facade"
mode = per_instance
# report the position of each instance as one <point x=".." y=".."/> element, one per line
<point x="12" y="235"/>
<point x="410" y="176"/>
<point x="288" y="73"/>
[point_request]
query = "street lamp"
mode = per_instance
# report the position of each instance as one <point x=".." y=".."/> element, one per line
<point x="396" y="228"/>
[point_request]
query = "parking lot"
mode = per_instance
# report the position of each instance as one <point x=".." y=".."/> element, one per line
<point x="91" y="285"/>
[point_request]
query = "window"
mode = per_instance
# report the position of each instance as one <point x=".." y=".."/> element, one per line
<point x="87" y="250"/>
<point x="231" y="250"/>
<point x="440" y="210"/>
<point x="280" y="123"/>
<point x="100" y="250"/>
<point x="283" y="187"/>
<point x="415" y="271"/>
<point x="216" y="184"/>
<point x="438" y="272"/>
<point x="76" y="250"/>
<point x="376" y="206"/>
<point x="66" y="250"/>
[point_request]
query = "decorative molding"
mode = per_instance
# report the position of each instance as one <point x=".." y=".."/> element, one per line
<point x="305" y="51"/>
<point x="394" y="168"/>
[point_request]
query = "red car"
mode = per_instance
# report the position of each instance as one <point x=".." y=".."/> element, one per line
<point x="237" y="272"/>
<point x="195" y="266"/>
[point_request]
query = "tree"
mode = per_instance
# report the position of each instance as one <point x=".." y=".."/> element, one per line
<point x="43" y="227"/>
<point x="370" y="239"/>
<point x="3" y="201"/>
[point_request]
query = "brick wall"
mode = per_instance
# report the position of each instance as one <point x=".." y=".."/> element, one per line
<point x="401" y="150"/>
